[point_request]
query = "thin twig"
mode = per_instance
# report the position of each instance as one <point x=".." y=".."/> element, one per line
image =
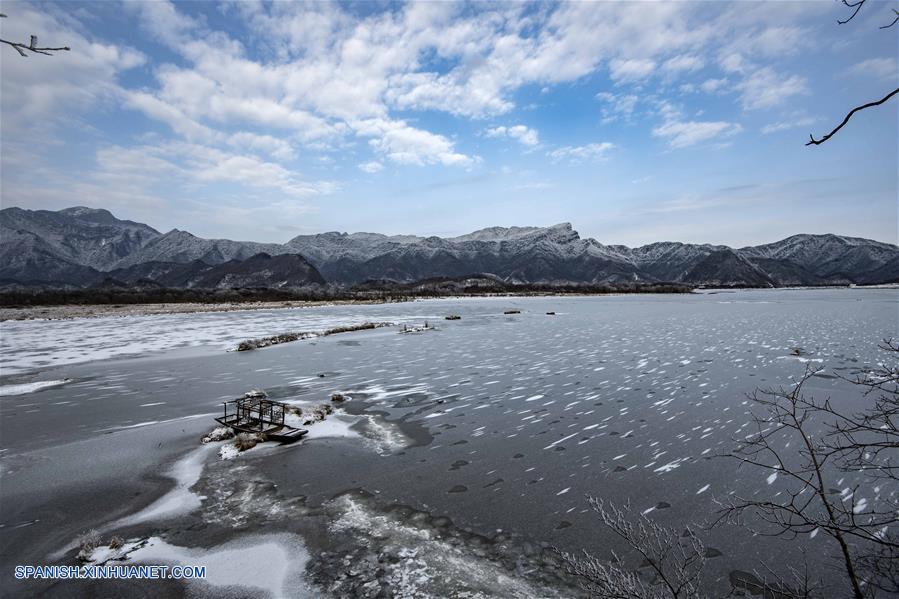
<point x="896" y="20"/>
<point x="856" y="5"/>
<point x="32" y="46"/>
<point x="816" y="142"/>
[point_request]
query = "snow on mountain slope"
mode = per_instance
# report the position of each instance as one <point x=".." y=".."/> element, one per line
<point x="79" y="235"/>
<point x="181" y="246"/>
<point x="50" y="241"/>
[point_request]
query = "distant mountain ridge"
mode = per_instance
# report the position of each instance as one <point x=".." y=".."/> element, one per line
<point x="83" y="247"/>
<point x="259" y="270"/>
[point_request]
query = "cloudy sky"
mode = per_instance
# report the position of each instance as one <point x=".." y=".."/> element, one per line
<point x="636" y="122"/>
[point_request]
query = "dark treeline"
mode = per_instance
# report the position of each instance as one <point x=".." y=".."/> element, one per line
<point x="481" y="285"/>
<point x="369" y="291"/>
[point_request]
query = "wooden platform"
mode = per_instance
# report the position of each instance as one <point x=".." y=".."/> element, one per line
<point x="257" y="415"/>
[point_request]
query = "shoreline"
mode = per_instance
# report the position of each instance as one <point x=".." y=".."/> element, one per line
<point x="75" y="311"/>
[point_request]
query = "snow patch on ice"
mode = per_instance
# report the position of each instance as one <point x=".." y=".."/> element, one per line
<point x="23" y="388"/>
<point x="228" y="451"/>
<point x="180" y="500"/>
<point x="34" y="344"/>
<point x="272" y="564"/>
<point x="335" y="426"/>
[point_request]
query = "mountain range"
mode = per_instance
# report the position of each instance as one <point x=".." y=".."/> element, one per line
<point x="83" y="247"/>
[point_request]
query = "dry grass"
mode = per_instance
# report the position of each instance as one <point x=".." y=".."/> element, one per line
<point x="220" y="433"/>
<point x="87" y="544"/>
<point x="116" y="542"/>
<point x="245" y="441"/>
<point x="251" y="344"/>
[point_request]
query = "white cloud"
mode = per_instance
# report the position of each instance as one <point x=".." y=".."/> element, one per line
<point x="371" y="167"/>
<point x="404" y="144"/>
<point x="164" y="21"/>
<point x="799" y="121"/>
<point x="618" y="107"/>
<point x="179" y="164"/>
<point x="875" y="68"/>
<point x="595" y="151"/>
<point x="681" y="134"/>
<point x="334" y="68"/>
<point x="462" y="94"/>
<point x="733" y="62"/>
<point x="761" y="86"/>
<point x="711" y="86"/>
<point x="237" y="94"/>
<point x="275" y="147"/>
<point x="523" y="134"/>
<point x="631" y="69"/>
<point x="765" y="87"/>
<point x="667" y="110"/>
<point x="253" y="172"/>
<point x="683" y="63"/>
<point x="769" y="40"/>
<point x="180" y="123"/>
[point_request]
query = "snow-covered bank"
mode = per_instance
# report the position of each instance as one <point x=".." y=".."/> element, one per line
<point x="35" y="344"/>
<point x="271" y="564"/>
<point x="23" y="388"/>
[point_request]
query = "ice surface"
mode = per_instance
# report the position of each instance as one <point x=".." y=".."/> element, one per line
<point x="33" y="344"/>
<point x="630" y="397"/>
<point x="180" y="500"/>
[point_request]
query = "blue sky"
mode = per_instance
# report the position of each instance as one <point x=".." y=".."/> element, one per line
<point x="635" y="121"/>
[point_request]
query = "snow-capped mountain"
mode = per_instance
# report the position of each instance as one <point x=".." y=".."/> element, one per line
<point x="78" y="235"/>
<point x="181" y="246"/>
<point x="82" y="246"/>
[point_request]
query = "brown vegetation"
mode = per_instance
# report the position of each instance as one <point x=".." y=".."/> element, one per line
<point x="251" y="344"/>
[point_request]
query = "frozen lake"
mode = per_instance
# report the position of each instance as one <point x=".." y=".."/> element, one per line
<point x="494" y="427"/>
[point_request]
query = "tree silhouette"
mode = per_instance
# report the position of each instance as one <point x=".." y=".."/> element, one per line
<point x="808" y="445"/>
<point x="32" y="46"/>
<point x="857" y="6"/>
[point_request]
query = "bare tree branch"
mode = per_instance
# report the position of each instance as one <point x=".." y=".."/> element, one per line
<point x="32" y="46"/>
<point x="895" y="20"/>
<point x="790" y="412"/>
<point x="675" y="561"/>
<point x="857" y="5"/>
<point x="816" y="142"/>
<point x="805" y="444"/>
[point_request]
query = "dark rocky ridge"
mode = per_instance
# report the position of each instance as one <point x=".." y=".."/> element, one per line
<point x="83" y="247"/>
<point x="260" y="270"/>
